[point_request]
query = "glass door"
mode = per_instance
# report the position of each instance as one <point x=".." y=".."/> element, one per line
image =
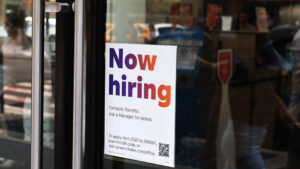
<point x="16" y="25"/>
<point x="52" y="84"/>
<point x="36" y="73"/>
<point x="236" y="83"/>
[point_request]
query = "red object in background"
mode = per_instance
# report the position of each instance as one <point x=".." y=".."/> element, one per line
<point x="175" y="14"/>
<point x="225" y="65"/>
<point x="212" y="14"/>
<point x="187" y="15"/>
<point x="175" y="8"/>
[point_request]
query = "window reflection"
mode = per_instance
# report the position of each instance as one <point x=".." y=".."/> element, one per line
<point x="15" y="82"/>
<point x="16" y="56"/>
<point x="15" y="72"/>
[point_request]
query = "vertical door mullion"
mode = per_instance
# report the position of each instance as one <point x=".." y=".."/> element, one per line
<point x="37" y="83"/>
<point x="78" y="87"/>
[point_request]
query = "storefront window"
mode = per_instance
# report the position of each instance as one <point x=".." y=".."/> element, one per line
<point x="257" y="124"/>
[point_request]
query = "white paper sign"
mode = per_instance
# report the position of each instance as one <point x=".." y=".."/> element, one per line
<point x="140" y="102"/>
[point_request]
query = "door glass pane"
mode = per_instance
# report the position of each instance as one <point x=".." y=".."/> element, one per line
<point x="15" y="83"/>
<point x="49" y="72"/>
<point x="15" y="121"/>
<point x="253" y="120"/>
<point x="49" y="76"/>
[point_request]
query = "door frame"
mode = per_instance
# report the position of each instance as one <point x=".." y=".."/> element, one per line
<point x="95" y="38"/>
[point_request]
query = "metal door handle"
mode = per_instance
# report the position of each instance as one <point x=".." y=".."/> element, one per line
<point x="57" y="7"/>
<point x="37" y="83"/>
<point x="79" y="86"/>
<point x="39" y="7"/>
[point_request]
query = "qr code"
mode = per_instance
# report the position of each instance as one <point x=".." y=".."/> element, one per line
<point x="164" y="150"/>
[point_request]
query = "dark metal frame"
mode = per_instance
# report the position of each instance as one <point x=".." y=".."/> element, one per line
<point x="64" y="89"/>
<point x="95" y="36"/>
<point x="94" y="133"/>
